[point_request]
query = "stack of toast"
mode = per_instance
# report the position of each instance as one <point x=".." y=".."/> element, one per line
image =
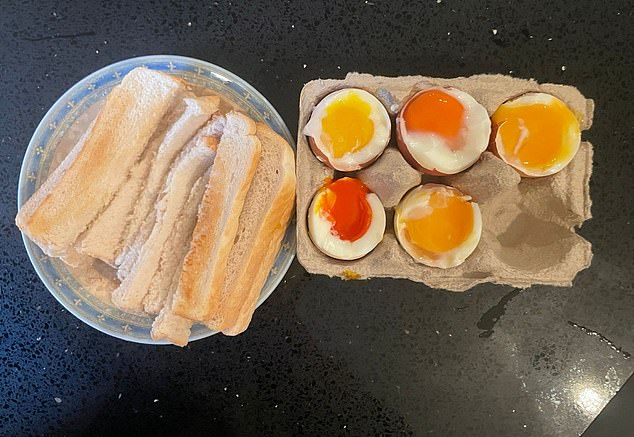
<point x="186" y="203"/>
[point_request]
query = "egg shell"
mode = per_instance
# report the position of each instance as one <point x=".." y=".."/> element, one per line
<point x="320" y="232"/>
<point x="323" y="157"/>
<point x="450" y="258"/>
<point x="402" y="147"/>
<point x="475" y="135"/>
<point x="493" y="147"/>
<point x="528" y="234"/>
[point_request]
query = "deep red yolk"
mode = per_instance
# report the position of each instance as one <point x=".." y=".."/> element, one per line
<point x="345" y="205"/>
<point x="435" y="111"/>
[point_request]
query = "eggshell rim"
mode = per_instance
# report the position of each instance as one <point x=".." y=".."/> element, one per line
<point x="324" y="158"/>
<point x="477" y="227"/>
<point x="404" y="147"/>
<point x="378" y="209"/>
<point x="496" y="144"/>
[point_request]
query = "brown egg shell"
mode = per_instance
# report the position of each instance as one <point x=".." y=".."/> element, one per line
<point x="323" y="158"/>
<point x="493" y="147"/>
<point x="404" y="149"/>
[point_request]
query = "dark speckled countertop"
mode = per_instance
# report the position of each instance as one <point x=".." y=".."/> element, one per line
<point x="323" y="356"/>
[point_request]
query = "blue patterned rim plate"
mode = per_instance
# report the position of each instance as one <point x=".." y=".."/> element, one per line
<point x="37" y="161"/>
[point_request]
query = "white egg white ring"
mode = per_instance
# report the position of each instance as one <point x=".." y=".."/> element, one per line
<point x="320" y="231"/>
<point x="419" y="199"/>
<point x="573" y="137"/>
<point x="432" y="151"/>
<point x="351" y="161"/>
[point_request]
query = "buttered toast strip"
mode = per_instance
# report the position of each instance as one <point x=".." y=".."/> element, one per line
<point x="263" y="220"/>
<point x="87" y="180"/>
<point x="134" y="243"/>
<point x="106" y="236"/>
<point x="177" y="245"/>
<point x="200" y="109"/>
<point x="199" y="288"/>
<point x="248" y="307"/>
<point x="265" y="215"/>
<point x="168" y="325"/>
<point x="103" y="238"/>
<point x="193" y="163"/>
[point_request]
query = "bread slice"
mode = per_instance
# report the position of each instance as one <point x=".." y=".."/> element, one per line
<point x="201" y="109"/>
<point x="135" y="239"/>
<point x="263" y="221"/>
<point x="199" y="288"/>
<point x="176" y="247"/>
<point x="102" y="239"/>
<point x="168" y="325"/>
<point x="193" y="163"/>
<point x="105" y="237"/>
<point x="248" y="307"/>
<point x="87" y="180"/>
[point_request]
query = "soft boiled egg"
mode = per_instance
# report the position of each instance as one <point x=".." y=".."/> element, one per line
<point x="438" y="225"/>
<point x="345" y="220"/>
<point x="442" y="131"/>
<point x="537" y="134"/>
<point x="348" y="129"/>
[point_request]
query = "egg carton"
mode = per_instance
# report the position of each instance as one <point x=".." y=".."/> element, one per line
<point x="528" y="225"/>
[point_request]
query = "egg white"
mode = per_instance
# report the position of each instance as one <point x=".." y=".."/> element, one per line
<point x="433" y="152"/>
<point x="572" y="138"/>
<point x="320" y="231"/>
<point x="351" y="161"/>
<point x="416" y="205"/>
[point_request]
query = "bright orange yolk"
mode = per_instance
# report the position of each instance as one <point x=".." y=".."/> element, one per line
<point x="537" y="134"/>
<point x="436" y="112"/>
<point x="345" y="205"/>
<point x="347" y="127"/>
<point x="446" y="227"/>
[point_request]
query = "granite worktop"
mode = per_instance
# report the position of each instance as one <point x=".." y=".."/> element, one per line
<point x="325" y="356"/>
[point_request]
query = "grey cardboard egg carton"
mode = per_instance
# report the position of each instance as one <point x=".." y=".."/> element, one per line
<point x="528" y="225"/>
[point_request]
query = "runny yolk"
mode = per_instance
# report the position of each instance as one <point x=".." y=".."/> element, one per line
<point x="445" y="227"/>
<point x="536" y="134"/>
<point x="347" y="127"/>
<point x="344" y="204"/>
<point x="434" y="111"/>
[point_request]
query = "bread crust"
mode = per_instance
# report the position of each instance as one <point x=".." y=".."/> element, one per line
<point x="237" y="307"/>
<point x="256" y="255"/>
<point x="198" y="294"/>
<point x="117" y="156"/>
<point x="168" y="325"/>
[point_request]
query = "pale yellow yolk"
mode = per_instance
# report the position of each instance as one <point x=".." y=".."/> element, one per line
<point x="536" y="135"/>
<point x="347" y="127"/>
<point x="445" y="227"/>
